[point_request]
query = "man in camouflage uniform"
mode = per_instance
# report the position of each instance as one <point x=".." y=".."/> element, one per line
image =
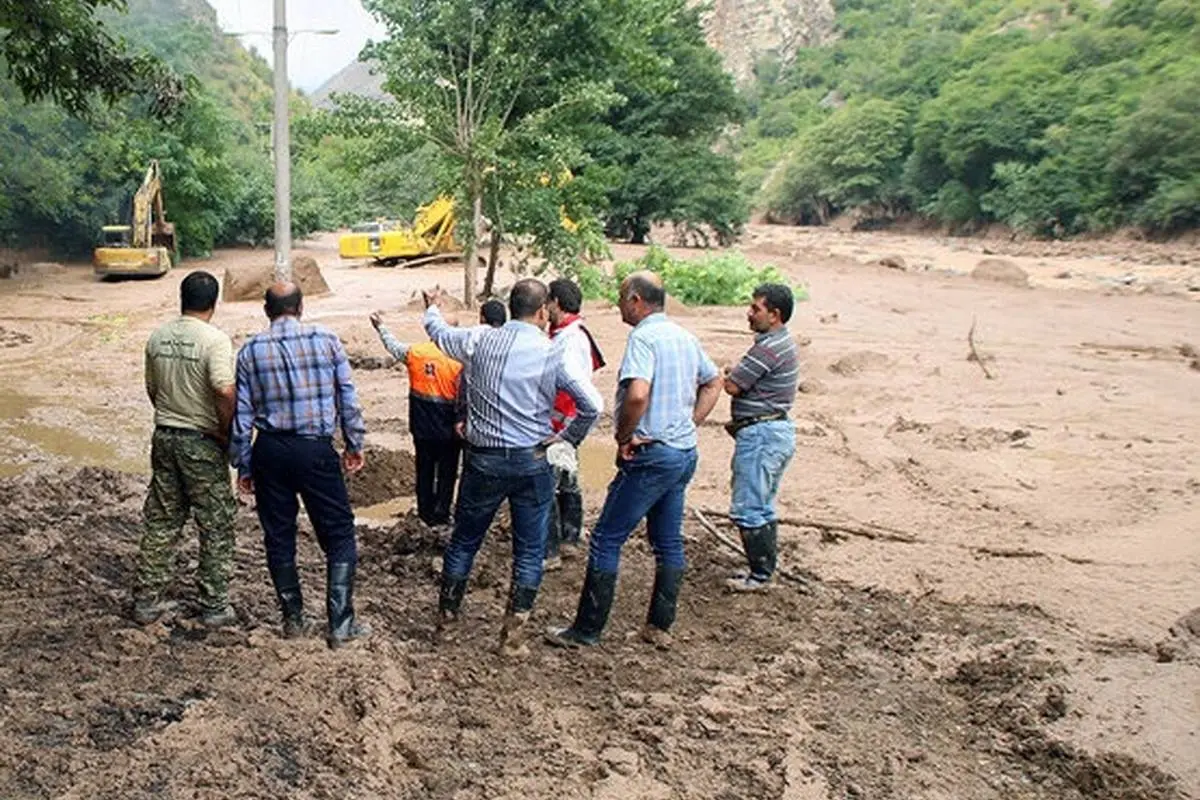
<point x="190" y="381"/>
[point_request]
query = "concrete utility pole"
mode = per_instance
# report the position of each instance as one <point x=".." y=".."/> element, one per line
<point x="283" y="150"/>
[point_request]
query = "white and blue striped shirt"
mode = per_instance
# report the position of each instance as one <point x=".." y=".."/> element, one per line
<point x="515" y="374"/>
<point x="675" y="365"/>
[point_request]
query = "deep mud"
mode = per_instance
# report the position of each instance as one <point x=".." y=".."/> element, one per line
<point x="1003" y="612"/>
<point x="849" y="692"/>
<point x="388" y="474"/>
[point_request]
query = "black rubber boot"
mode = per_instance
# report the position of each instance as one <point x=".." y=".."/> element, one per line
<point x="667" y="581"/>
<point x="570" y="506"/>
<point x="339" y="605"/>
<point x="771" y="548"/>
<point x="513" y="633"/>
<point x="759" y="544"/>
<point x="450" y="598"/>
<point x="291" y="600"/>
<point x="595" y="603"/>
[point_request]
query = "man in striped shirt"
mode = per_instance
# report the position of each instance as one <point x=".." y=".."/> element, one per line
<point x="763" y="386"/>
<point x="293" y="389"/>
<point x="515" y="375"/>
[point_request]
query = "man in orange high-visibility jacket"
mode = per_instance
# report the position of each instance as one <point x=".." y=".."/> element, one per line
<point x="433" y="387"/>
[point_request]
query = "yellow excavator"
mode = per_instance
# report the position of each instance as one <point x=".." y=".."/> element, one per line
<point x="430" y="238"/>
<point x="145" y="248"/>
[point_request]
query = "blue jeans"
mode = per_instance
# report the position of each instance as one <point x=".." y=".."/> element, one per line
<point x="652" y="485"/>
<point x="524" y="478"/>
<point x="760" y="456"/>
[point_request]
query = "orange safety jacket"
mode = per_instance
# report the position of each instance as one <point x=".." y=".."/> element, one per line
<point x="433" y="380"/>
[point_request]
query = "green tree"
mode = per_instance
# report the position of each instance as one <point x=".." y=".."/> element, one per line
<point x="483" y="79"/>
<point x="854" y="159"/>
<point x="657" y="147"/>
<point x="62" y="50"/>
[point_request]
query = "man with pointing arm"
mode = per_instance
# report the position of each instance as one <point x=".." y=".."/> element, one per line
<point x="515" y="374"/>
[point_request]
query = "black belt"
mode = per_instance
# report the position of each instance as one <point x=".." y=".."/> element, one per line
<point x="192" y="432"/>
<point x="294" y="435"/>
<point x="735" y="425"/>
<point x="536" y="450"/>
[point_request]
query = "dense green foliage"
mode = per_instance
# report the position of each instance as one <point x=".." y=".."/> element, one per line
<point x="715" y="279"/>
<point x="655" y="149"/>
<point x="625" y="97"/>
<point x="63" y="176"/>
<point x="61" y="49"/>
<point x="1054" y="118"/>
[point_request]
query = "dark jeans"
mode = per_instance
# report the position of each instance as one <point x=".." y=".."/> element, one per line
<point x="566" y="512"/>
<point x="522" y="476"/>
<point x="284" y="466"/>
<point x="437" y="471"/>
<point x="652" y="485"/>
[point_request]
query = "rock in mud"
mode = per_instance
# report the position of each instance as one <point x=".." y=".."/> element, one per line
<point x="388" y="474"/>
<point x="620" y="760"/>
<point x="1000" y="270"/>
<point x="859" y="362"/>
<point x="251" y="281"/>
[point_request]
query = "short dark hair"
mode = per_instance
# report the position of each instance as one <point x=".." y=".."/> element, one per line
<point x="776" y="297"/>
<point x="567" y="293"/>
<point x="528" y="295"/>
<point x="650" y="292"/>
<point x="279" y="304"/>
<point x="198" y="292"/>
<point x="492" y="313"/>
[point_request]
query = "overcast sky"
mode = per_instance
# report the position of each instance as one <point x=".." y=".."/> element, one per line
<point x="311" y="58"/>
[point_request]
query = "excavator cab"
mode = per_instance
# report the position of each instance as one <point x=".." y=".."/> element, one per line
<point x="430" y="238"/>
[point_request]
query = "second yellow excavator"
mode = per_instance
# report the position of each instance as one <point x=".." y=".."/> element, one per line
<point x="147" y="247"/>
<point x="429" y="239"/>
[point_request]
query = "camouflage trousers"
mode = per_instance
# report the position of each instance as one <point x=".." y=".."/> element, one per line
<point x="189" y="474"/>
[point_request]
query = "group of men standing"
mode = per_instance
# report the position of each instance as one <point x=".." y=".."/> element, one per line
<point x="514" y="402"/>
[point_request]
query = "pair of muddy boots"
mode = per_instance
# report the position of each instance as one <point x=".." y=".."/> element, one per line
<point x="762" y="547"/>
<point x="513" y="632"/>
<point x="595" y="603"/>
<point x="339" y="604"/>
<point x="149" y="608"/>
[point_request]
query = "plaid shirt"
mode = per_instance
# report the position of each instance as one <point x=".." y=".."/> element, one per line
<point x="294" y="378"/>
<point x="674" y="363"/>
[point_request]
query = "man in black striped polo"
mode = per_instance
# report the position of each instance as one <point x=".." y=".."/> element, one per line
<point x="763" y="386"/>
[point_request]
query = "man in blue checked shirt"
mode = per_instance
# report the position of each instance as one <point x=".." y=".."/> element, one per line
<point x="293" y="389"/>
<point x="515" y="375"/>
<point x="666" y="387"/>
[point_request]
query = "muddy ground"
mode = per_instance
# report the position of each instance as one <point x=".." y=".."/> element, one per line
<point x="988" y="568"/>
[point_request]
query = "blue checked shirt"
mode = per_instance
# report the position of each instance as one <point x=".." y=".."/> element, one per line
<point x="294" y="378"/>
<point x="515" y="372"/>
<point x="672" y="360"/>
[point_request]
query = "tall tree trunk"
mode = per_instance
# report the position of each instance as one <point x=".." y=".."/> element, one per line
<point x="471" y="255"/>
<point x="489" y="279"/>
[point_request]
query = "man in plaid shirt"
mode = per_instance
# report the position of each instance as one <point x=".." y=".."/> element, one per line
<point x="293" y="389"/>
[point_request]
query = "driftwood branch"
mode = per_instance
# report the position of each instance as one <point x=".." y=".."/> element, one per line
<point x="795" y="577"/>
<point x="834" y="528"/>
<point x="975" y="353"/>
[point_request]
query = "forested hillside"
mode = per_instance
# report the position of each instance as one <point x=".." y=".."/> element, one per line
<point x="63" y="177"/>
<point x="1055" y="118"/>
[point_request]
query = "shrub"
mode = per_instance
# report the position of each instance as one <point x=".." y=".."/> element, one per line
<point x="716" y="279"/>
